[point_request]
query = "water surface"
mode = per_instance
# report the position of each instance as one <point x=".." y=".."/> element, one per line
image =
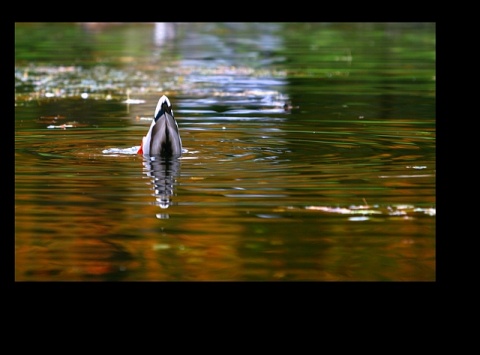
<point x="309" y="152"/>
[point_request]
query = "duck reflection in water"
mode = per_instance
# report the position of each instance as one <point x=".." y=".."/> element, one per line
<point x="164" y="172"/>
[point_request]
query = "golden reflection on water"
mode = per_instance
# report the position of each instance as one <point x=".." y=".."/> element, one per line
<point x="223" y="221"/>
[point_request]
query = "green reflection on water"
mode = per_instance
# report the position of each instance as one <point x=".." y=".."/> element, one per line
<point x="357" y="55"/>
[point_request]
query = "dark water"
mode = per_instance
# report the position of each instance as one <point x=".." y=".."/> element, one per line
<point x="309" y="152"/>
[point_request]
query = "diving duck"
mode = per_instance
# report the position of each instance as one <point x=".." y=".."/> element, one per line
<point x="163" y="138"/>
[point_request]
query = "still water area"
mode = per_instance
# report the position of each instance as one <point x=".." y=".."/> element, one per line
<point x="308" y="152"/>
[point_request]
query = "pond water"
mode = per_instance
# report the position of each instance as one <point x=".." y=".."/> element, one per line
<point x="309" y="152"/>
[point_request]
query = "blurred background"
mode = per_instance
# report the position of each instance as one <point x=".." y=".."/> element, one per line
<point x="309" y="152"/>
